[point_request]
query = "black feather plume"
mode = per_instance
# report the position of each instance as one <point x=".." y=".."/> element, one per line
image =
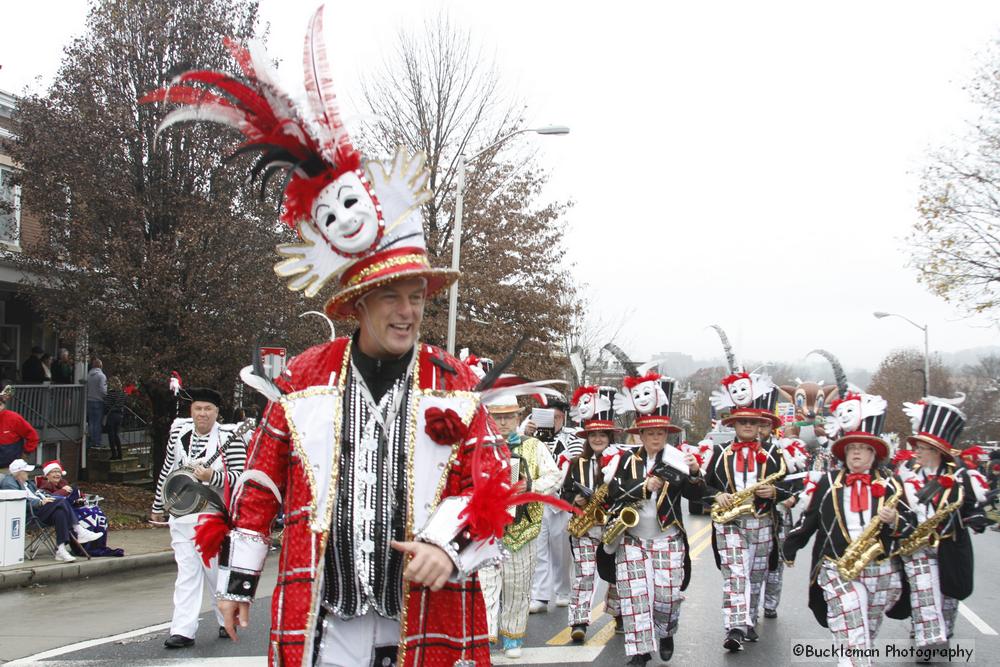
<point x="490" y="378"/>
<point x="619" y="354"/>
<point x="838" y="370"/>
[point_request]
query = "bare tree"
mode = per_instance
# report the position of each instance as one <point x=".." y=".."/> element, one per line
<point x="899" y="378"/>
<point x="440" y="96"/>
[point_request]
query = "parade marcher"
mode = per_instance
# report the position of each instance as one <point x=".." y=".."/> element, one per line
<point x="853" y="514"/>
<point x="585" y="485"/>
<point x="645" y="522"/>
<point x="794" y="453"/>
<point x="507" y="586"/>
<point x="551" y="580"/>
<point x="192" y="441"/>
<point x="943" y="495"/>
<point x="742" y="477"/>
<point x="390" y="476"/>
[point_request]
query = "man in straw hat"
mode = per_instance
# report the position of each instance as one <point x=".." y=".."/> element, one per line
<point x="841" y="506"/>
<point x="392" y="480"/>
<point x="506" y="587"/>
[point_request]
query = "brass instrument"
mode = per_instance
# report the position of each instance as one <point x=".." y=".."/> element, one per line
<point x="926" y="533"/>
<point x="743" y="500"/>
<point x="627" y="518"/>
<point x="866" y="548"/>
<point x="592" y="514"/>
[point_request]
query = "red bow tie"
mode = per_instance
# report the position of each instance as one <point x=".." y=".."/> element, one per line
<point x="859" y="492"/>
<point x="750" y="449"/>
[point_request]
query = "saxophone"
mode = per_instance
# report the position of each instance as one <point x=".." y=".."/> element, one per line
<point x="926" y="533"/>
<point x="592" y="514"/>
<point x="628" y="517"/>
<point x="866" y="548"/>
<point x="743" y="500"/>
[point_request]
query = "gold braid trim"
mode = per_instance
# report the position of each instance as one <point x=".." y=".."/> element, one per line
<point x="387" y="264"/>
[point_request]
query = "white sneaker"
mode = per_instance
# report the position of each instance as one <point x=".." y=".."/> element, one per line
<point x="537" y="607"/>
<point x="562" y="601"/>
<point x="63" y="554"/>
<point x="83" y="535"/>
<point x="513" y="652"/>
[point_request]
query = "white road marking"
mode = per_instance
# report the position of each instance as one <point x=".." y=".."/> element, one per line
<point x="973" y="617"/>
<point x="551" y="655"/>
<point x="79" y="646"/>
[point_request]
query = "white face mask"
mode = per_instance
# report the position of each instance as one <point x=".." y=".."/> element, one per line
<point x="586" y="406"/>
<point x="848" y="415"/>
<point x="346" y="215"/>
<point x="644" y="397"/>
<point x="740" y="392"/>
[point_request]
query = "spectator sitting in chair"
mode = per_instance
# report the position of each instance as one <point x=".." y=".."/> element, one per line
<point x="50" y="510"/>
<point x="54" y="484"/>
<point x="17" y="436"/>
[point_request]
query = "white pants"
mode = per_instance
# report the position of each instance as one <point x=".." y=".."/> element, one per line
<point x="552" y="576"/>
<point x="192" y="576"/>
<point x="352" y="643"/>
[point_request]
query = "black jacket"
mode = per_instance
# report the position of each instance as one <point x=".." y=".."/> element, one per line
<point x="823" y="518"/>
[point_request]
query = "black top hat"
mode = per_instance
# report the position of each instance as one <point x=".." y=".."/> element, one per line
<point x="941" y="425"/>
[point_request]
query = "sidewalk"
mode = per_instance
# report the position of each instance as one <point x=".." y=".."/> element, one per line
<point x="143" y="548"/>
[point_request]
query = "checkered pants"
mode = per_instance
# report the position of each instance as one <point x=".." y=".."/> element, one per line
<point x="506" y="589"/>
<point x="744" y="545"/>
<point x="855" y="608"/>
<point x="949" y="607"/>
<point x="925" y="597"/>
<point x="773" y="580"/>
<point x="584" y="579"/>
<point x="650" y="571"/>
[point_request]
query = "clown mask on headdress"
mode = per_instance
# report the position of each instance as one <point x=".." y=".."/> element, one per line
<point x="740" y="389"/>
<point x="587" y="402"/>
<point x="847" y="412"/>
<point x="642" y="394"/>
<point x="347" y="215"/>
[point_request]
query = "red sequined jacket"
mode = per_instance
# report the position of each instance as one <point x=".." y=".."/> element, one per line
<point x="291" y="468"/>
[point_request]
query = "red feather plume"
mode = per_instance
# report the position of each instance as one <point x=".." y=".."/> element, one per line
<point x="209" y="535"/>
<point x="902" y="455"/>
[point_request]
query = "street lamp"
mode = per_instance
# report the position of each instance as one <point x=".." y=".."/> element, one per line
<point x="927" y="350"/>
<point x="456" y="234"/>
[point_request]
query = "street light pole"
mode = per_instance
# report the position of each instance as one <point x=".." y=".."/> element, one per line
<point x="927" y="348"/>
<point x="456" y="233"/>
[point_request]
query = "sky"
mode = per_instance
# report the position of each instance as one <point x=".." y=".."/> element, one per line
<point x="754" y="165"/>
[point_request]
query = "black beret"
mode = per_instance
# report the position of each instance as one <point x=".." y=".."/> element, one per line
<point x="205" y="394"/>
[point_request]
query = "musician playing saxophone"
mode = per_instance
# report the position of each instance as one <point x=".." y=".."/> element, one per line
<point x="194" y="439"/>
<point x="652" y="565"/>
<point x="746" y="547"/>
<point x="586" y="475"/>
<point x="854" y="516"/>
<point x="944" y="495"/>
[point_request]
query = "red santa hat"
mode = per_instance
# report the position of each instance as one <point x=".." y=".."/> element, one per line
<point x="53" y="465"/>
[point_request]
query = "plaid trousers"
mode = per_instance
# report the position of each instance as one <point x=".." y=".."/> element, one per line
<point x="744" y="545"/>
<point x="506" y="588"/>
<point x="650" y="574"/>
<point x="584" y="579"/>
<point x="927" y="613"/>
<point x="773" y="580"/>
<point x="949" y="607"/>
<point x="855" y="608"/>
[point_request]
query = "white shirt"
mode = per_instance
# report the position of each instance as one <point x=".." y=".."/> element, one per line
<point x="741" y="480"/>
<point x="856" y="521"/>
<point x="648" y="527"/>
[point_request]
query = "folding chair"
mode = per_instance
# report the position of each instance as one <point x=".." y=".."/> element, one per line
<point x="39" y="535"/>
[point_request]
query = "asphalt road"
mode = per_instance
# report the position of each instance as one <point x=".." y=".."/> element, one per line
<point x="122" y="621"/>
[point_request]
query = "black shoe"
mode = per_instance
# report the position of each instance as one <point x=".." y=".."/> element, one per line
<point x="619" y="625"/>
<point x="734" y="640"/>
<point x="639" y="660"/>
<point x="752" y="635"/>
<point x="666" y="648"/>
<point x="222" y="633"/>
<point x="770" y="613"/>
<point x="578" y="632"/>
<point x="178" y="641"/>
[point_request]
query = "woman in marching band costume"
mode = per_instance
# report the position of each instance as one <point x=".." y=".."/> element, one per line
<point x="745" y="543"/>
<point x="853" y="513"/>
<point x="586" y="475"/>
<point x="653" y="565"/>
<point x="943" y="494"/>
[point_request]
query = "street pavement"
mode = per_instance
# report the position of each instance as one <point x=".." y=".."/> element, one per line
<point x="122" y="620"/>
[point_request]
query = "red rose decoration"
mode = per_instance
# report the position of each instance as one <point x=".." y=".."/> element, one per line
<point x="761" y="457"/>
<point x="878" y="490"/>
<point x="444" y="427"/>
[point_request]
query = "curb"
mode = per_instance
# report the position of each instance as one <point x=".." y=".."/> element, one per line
<point x="82" y="569"/>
